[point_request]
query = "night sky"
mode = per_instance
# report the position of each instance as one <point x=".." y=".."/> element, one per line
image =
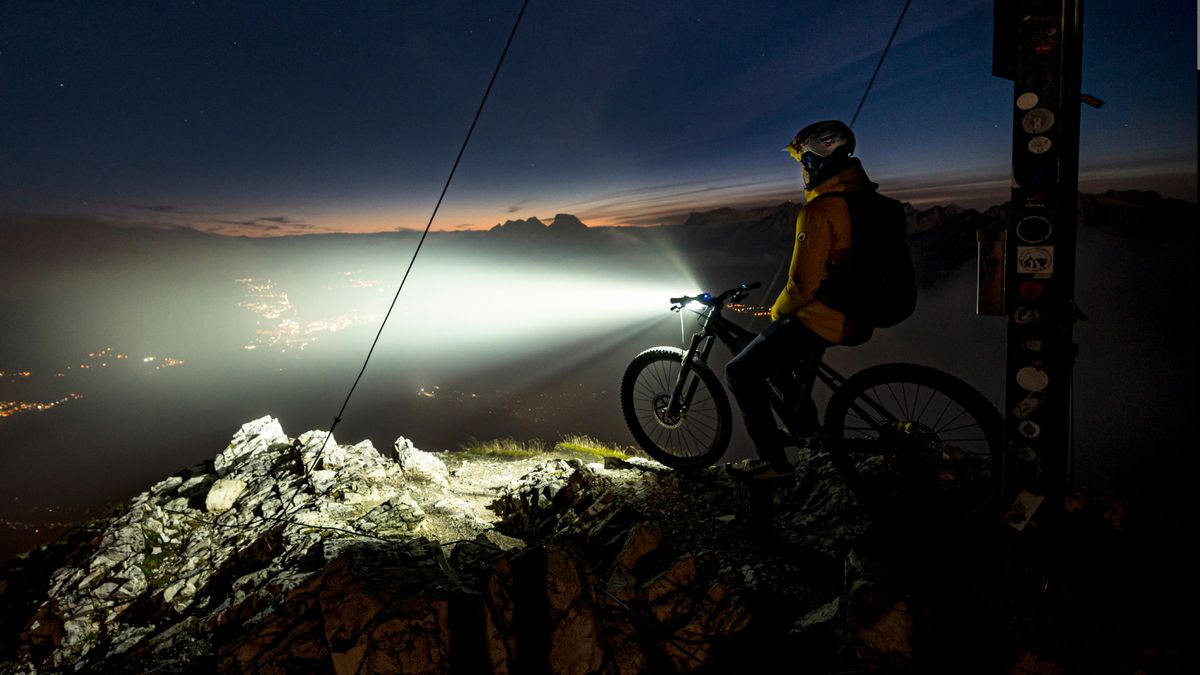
<point x="290" y="117"/>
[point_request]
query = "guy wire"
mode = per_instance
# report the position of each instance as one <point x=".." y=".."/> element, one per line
<point x="421" y="242"/>
<point x="880" y="64"/>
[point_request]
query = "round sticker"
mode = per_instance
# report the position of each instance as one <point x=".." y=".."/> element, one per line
<point x="1029" y="429"/>
<point x="1039" y="144"/>
<point x="1032" y="379"/>
<point x="1025" y="316"/>
<point x="1033" y="229"/>
<point x="1025" y="453"/>
<point x="1037" y="121"/>
<point x="1027" y="100"/>
<point x="1030" y="290"/>
<point x="1036" y="260"/>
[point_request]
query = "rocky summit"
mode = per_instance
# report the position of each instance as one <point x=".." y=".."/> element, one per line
<point x="300" y="555"/>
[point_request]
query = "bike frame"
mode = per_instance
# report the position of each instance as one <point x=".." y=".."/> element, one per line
<point x="714" y="326"/>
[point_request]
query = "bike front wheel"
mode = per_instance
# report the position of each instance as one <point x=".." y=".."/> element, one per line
<point x="697" y="435"/>
<point x="910" y="435"/>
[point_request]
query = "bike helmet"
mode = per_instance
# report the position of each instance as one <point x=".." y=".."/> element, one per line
<point x="822" y="148"/>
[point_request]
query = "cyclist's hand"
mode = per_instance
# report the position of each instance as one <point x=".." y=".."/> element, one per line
<point x="774" y="314"/>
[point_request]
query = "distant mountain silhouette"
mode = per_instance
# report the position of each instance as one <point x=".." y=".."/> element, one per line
<point x="529" y="226"/>
<point x="564" y="225"/>
<point x="942" y="237"/>
<point x="732" y="241"/>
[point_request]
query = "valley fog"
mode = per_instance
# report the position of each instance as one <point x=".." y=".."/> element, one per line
<point x="173" y="346"/>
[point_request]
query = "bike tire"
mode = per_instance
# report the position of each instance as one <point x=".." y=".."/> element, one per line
<point x="700" y="434"/>
<point x="942" y="454"/>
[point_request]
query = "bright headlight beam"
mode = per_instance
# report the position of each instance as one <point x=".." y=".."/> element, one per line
<point x="502" y="308"/>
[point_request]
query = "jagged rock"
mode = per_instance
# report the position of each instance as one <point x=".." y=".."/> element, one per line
<point x="576" y="645"/>
<point x="171" y="553"/>
<point x="819" y="635"/>
<point x="223" y="494"/>
<point x="640" y="541"/>
<point x="881" y="623"/>
<point x="419" y="465"/>
<point x="253" y="437"/>
<point x="527" y="503"/>
<point x="323" y="561"/>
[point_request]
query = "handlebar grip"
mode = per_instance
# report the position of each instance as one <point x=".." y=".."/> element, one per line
<point x="680" y="300"/>
<point x="752" y="285"/>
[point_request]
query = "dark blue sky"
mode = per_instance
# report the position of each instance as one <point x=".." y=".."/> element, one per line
<point x="280" y="117"/>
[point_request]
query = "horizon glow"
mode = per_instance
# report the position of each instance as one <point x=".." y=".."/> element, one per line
<point x="348" y="121"/>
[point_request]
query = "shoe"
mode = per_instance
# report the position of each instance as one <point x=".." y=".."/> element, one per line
<point x="747" y="467"/>
<point x="759" y="469"/>
<point x="773" y="472"/>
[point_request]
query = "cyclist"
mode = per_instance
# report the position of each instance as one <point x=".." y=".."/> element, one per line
<point x="802" y="326"/>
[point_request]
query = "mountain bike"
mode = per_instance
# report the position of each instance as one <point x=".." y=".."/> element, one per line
<point x="892" y="430"/>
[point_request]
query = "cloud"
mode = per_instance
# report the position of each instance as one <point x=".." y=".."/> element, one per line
<point x="269" y="223"/>
<point x="162" y="209"/>
<point x="657" y="204"/>
<point x="513" y="209"/>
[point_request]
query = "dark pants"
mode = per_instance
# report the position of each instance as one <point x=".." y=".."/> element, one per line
<point x="784" y="346"/>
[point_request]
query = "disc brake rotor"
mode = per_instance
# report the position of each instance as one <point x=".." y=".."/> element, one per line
<point x="661" y="403"/>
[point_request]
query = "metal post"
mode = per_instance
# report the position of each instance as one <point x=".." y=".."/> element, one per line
<point x="1039" y="249"/>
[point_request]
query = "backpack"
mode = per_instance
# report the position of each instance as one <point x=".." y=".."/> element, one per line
<point x="876" y="284"/>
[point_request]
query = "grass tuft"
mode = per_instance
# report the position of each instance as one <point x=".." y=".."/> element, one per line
<point x="587" y="445"/>
<point x="576" y="444"/>
<point x="504" y="447"/>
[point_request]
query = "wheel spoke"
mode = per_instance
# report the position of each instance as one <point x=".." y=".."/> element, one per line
<point x="697" y="435"/>
<point x="949" y="430"/>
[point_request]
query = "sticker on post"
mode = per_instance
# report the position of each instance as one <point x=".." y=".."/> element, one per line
<point x="1033" y="229"/>
<point x="1032" y="379"/>
<point x="1037" y="121"/>
<point x="1036" y="260"/>
<point x="1027" y="100"/>
<point x="1022" y="509"/>
<point x="1030" y="290"/>
<point x="1028" y="404"/>
<point x="1039" y="144"/>
<point x="1026" y="316"/>
<point x="1029" y="429"/>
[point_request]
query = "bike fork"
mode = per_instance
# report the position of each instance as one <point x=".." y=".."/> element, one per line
<point x="680" y="399"/>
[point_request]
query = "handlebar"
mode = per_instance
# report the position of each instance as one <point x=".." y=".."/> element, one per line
<point x="707" y="299"/>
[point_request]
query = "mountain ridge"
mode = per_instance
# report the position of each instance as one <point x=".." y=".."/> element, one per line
<point x="1107" y="208"/>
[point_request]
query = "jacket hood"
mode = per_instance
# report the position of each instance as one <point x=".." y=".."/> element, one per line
<point x="850" y="179"/>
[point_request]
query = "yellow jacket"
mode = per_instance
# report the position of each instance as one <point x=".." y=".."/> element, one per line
<point x="823" y="234"/>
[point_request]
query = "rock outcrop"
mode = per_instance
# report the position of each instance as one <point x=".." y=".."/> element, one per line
<point x="296" y="555"/>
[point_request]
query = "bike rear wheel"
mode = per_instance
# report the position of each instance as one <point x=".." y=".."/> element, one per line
<point x="912" y="436"/>
<point x="694" y="438"/>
